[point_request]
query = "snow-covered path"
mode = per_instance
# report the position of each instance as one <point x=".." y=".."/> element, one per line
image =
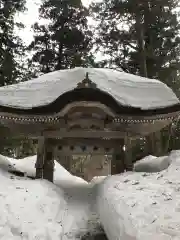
<point x="80" y="202"/>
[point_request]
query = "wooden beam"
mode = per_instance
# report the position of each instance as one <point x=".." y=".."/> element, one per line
<point x="87" y="151"/>
<point x="84" y="134"/>
<point x="76" y="146"/>
<point x="109" y="143"/>
<point x="86" y="105"/>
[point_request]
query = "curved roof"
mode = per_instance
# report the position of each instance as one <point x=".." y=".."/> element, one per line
<point x="126" y="89"/>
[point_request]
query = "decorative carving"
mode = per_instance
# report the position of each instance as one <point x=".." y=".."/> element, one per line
<point x="86" y="123"/>
<point x="86" y="83"/>
<point x="54" y="119"/>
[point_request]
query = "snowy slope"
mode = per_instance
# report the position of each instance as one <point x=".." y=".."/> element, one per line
<point x="126" y="89"/>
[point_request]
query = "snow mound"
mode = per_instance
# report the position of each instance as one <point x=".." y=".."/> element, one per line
<point x="113" y="213"/>
<point x="153" y="200"/>
<point x="27" y="166"/>
<point x="152" y="164"/>
<point x="6" y="163"/>
<point x="37" y="210"/>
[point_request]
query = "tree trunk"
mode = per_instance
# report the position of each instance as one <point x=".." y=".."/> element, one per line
<point x="59" y="63"/>
<point x="141" y="45"/>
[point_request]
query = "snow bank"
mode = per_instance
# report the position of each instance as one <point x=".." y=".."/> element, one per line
<point x="152" y="164"/>
<point x="30" y="209"/>
<point x="37" y="209"/>
<point x="6" y="163"/>
<point x="27" y="166"/>
<point x="114" y="214"/>
<point x="153" y="200"/>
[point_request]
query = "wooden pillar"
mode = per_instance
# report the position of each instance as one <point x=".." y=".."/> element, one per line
<point x="45" y="160"/>
<point x="122" y="159"/>
<point x="48" y="168"/>
<point x="128" y="154"/>
<point x="117" y="163"/>
<point x="40" y="159"/>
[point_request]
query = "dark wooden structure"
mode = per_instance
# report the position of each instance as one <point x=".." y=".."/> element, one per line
<point x="76" y="113"/>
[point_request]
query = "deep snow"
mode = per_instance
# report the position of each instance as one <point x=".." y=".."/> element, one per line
<point x="37" y="209"/>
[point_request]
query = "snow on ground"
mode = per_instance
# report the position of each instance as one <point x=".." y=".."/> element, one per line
<point x="39" y="210"/>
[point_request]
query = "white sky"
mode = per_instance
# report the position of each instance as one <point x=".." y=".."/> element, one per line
<point x="31" y="16"/>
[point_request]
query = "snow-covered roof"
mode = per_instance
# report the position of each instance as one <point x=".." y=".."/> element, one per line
<point x="126" y="89"/>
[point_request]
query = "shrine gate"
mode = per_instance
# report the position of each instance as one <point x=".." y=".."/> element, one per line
<point x="85" y="111"/>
